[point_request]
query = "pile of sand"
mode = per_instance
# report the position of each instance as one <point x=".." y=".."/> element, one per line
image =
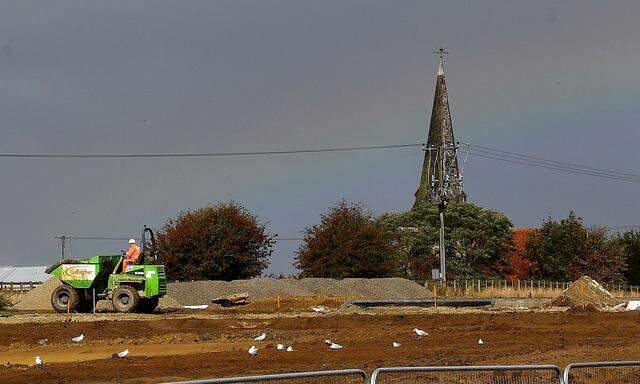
<point x="586" y="294"/>
<point x="39" y="298"/>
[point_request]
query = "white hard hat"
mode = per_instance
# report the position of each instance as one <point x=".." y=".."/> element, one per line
<point x="132" y="241"/>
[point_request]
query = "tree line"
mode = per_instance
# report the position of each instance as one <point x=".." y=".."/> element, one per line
<point x="225" y="241"/>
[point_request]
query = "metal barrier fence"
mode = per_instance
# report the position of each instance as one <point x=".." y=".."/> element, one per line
<point x="343" y="376"/>
<point x="618" y="372"/>
<point x="487" y="374"/>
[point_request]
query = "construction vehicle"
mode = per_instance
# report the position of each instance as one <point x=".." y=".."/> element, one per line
<point x="101" y="278"/>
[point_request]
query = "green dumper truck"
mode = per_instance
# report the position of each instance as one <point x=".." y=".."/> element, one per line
<point x="101" y="278"/>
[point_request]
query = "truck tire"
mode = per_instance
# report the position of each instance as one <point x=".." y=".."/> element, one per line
<point x="125" y="298"/>
<point x="65" y="296"/>
<point x="148" y="305"/>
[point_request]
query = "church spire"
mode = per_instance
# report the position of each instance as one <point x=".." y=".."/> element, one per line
<point x="440" y="178"/>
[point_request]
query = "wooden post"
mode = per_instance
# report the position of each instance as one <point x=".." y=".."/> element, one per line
<point x="68" y="311"/>
<point x="435" y="295"/>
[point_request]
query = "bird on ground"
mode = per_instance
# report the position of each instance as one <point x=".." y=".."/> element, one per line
<point x="396" y="345"/>
<point x="289" y="349"/>
<point x="38" y="360"/>
<point x="280" y="347"/>
<point x="253" y="350"/>
<point x="43" y="341"/>
<point x="420" y="332"/>
<point x="260" y="337"/>
<point x="78" y="339"/>
<point x="123" y="354"/>
<point x="480" y="341"/>
<point x="335" y="346"/>
<point x="319" y="309"/>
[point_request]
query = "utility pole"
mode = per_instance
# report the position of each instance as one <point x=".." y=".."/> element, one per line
<point x="443" y="265"/>
<point x="63" y="245"/>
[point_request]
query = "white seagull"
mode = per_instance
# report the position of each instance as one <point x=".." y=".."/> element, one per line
<point x="253" y="350"/>
<point x="38" y="360"/>
<point x="123" y="353"/>
<point x="280" y="347"/>
<point x="480" y="341"/>
<point x="335" y="346"/>
<point x="420" y="332"/>
<point x="260" y="337"/>
<point x="78" y="339"/>
<point x="318" y="309"/>
<point x="396" y="345"/>
<point x="289" y="349"/>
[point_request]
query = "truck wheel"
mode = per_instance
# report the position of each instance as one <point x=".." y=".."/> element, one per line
<point x="125" y="298"/>
<point x="148" y="305"/>
<point x="65" y="296"/>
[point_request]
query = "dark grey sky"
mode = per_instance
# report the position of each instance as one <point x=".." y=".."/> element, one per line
<point x="558" y="79"/>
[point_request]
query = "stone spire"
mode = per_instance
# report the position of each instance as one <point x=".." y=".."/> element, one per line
<point x="441" y="178"/>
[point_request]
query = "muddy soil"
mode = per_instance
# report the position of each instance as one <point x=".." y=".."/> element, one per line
<point x="165" y="348"/>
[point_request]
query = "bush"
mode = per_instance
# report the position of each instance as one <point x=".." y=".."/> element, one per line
<point x="4" y="302"/>
<point x="566" y="250"/>
<point x="476" y="239"/>
<point x="347" y="243"/>
<point x="220" y="242"/>
<point x="631" y="243"/>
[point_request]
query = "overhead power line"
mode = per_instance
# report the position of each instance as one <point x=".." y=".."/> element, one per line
<point x="472" y="150"/>
<point x="535" y="161"/>
<point x="204" y="154"/>
<point x="561" y="163"/>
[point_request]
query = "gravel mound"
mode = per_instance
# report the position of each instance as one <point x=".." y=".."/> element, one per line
<point x="586" y="294"/>
<point x="202" y="292"/>
<point x="168" y="302"/>
<point x="39" y="298"/>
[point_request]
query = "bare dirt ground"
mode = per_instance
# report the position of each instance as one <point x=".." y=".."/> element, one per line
<point x="188" y="345"/>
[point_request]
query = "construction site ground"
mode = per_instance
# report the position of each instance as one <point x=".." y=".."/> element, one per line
<point x="182" y="345"/>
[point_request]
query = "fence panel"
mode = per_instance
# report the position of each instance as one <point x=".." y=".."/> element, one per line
<point x="617" y="372"/>
<point x="346" y="376"/>
<point x="489" y="374"/>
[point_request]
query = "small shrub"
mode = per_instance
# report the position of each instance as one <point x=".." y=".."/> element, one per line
<point x="4" y="302"/>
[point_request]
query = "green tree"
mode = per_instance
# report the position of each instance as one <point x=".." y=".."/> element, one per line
<point x="554" y="246"/>
<point x="566" y="250"/>
<point x="346" y="243"/>
<point x="631" y="243"/>
<point x="476" y="240"/>
<point x="603" y="259"/>
<point x="219" y="242"/>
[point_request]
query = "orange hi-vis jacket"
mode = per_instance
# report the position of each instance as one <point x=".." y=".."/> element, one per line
<point x="131" y="257"/>
<point x="133" y="253"/>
